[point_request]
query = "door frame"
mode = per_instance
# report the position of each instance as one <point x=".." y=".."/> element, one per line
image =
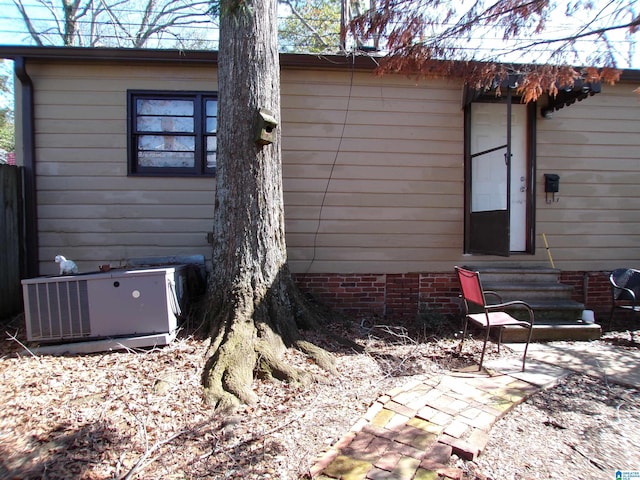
<point x="531" y="118"/>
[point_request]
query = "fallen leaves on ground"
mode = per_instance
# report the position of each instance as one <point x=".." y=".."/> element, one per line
<point x="139" y="413"/>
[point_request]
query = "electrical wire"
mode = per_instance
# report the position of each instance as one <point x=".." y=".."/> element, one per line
<point x="333" y="164"/>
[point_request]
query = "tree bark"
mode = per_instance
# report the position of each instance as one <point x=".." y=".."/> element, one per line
<point x="255" y="308"/>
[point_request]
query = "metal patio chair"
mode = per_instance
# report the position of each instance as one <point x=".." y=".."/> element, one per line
<point x="489" y="315"/>
<point x="625" y="291"/>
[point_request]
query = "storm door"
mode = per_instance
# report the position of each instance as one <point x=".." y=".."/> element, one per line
<point x="498" y="179"/>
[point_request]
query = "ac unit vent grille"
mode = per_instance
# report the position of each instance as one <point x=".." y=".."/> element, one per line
<point x="58" y="310"/>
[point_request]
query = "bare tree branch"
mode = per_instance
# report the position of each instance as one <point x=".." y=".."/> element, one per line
<point x="85" y="22"/>
<point x="306" y="24"/>
<point x="35" y="35"/>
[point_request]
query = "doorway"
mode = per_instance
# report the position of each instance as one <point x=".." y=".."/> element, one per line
<point x="499" y="177"/>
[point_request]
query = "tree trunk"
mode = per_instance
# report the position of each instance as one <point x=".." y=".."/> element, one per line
<point x="255" y="308"/>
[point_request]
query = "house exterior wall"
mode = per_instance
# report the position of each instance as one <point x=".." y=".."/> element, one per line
<point x="372" y="171"/>
<point x="594" y="146"/>
<point x="88" y="208"/>
<point x="373" y="178"/>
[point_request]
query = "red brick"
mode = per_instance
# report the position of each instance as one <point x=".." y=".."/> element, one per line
<point x="438" y="453"/>
<point x="323" y="462"/>
<point x="478" y="439"/>
<point x="463" y="449"/>
<point x="345" y="440"/>
<point x="450" y="472"/>
<point x="379" y="474"/>
<point x="431" y="465"/>
<point x="388" y="461"/>
<point x="361" y="441"/>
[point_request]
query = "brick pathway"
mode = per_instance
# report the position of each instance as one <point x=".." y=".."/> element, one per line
<point x="411" y="432"/>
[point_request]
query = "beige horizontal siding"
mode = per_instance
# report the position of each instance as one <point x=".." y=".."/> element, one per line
<point x="372" y="227"/>
<point x="594" y="146"/>
<point x="89" y="210"/>
<point x="373" y="173"/>
<point x="130" y="225"/>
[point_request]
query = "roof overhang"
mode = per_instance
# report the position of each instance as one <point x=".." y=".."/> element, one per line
<point x="347" y="60"/>
<point x="359" y="61"/>
<point x="567" y="96"/>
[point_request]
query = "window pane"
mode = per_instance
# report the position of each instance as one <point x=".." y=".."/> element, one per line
<point x="167" y="107"/>
<point x="212" y="147"/>
<point x="212" y="108"/>
<point x="212" y="144"/>
<point x="165" y="124"/>
<point x="212" y="124"/>
<point x="165" y="159"/>
<point x="166" y="142"/>
<point x="211" y="159"/>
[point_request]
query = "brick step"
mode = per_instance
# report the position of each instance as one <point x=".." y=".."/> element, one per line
<point x="567" y="311"/>
<point x="524" y="290"/>
<point x="516" y="274"/>
<point x="557" y="315"/>
<point x="553" y="332"/>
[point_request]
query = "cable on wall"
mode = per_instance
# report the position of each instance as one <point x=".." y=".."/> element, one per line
<point x="333" y="165"/>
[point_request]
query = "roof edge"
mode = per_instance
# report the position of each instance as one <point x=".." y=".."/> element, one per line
<point x="300" y="60"/>
<point x="359" y="61"/>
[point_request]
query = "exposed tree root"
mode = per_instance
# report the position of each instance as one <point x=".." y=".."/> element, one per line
<point x="231" y="357"/>
<point x="249" y="338"/>
<point x="319" y="355"/>
<point x="271" y="365"/>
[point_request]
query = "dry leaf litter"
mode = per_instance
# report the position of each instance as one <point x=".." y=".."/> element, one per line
<point x="139" y="413"/>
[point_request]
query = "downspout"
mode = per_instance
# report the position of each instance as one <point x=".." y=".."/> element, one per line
<point x="31" y="263"/>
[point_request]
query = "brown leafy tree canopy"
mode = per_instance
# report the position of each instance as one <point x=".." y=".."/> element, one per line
<point x="485" y="41"/>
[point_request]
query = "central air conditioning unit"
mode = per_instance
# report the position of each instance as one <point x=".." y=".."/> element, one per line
<point x="119" y="303"/>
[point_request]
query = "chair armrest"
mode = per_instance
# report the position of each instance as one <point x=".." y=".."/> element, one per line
<point x="492" y="293"/>
<point x="625" y="284"/>
<point x="502" y="306"/>
<point x="628" y="291"/>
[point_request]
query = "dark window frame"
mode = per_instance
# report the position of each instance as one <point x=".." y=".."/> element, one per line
<point x="200" y="134"/>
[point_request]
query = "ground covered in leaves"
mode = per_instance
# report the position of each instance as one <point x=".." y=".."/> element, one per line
<point x="139" y="414"/>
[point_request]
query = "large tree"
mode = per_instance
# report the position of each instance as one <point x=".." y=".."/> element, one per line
<point x="255" y="309"/>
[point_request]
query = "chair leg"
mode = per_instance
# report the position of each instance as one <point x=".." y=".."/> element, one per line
<point x="613" y="308"/>
<point x="464" y="333"/>
<point x="526" y="347"/>
<point x="484" y="347"/>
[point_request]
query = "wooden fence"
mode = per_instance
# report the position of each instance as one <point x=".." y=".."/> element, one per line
<point x="11" y="241"/>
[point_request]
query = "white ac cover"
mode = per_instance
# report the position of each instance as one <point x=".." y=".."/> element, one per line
<point x="113" y="304"/>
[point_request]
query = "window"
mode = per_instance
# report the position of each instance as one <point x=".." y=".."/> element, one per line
<point x="172" y="133"/>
